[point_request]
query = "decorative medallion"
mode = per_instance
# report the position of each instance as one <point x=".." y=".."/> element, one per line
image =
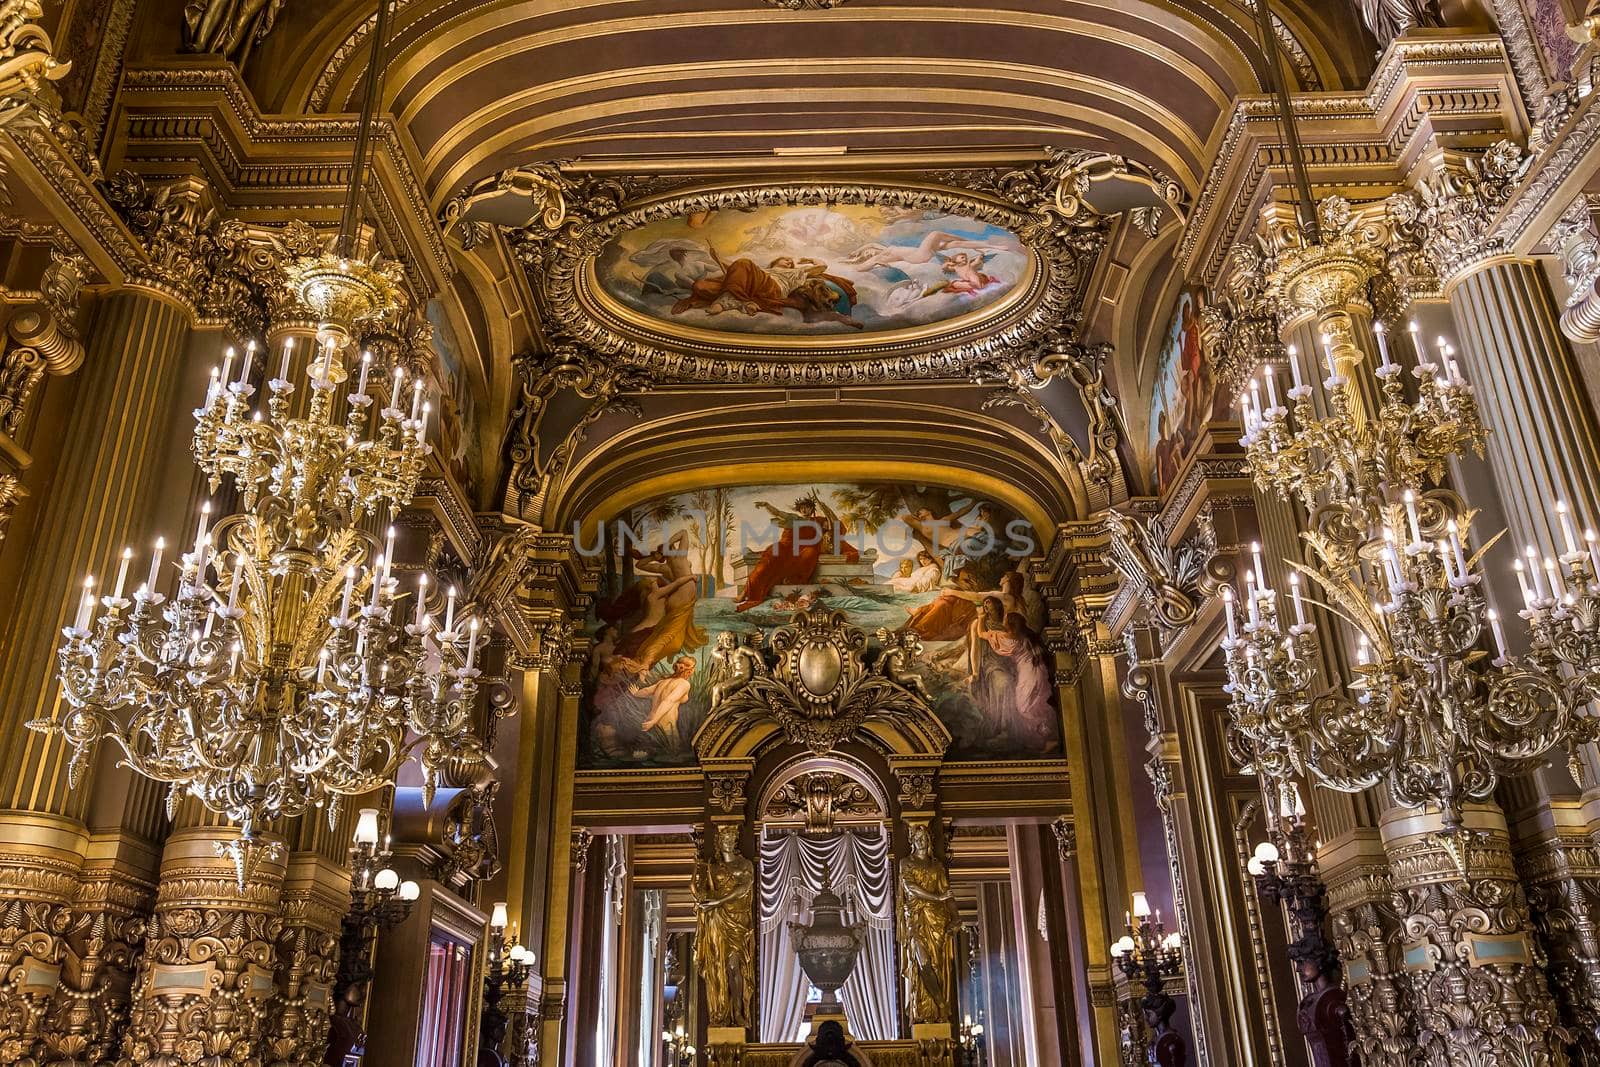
<point x="816" y="684"/>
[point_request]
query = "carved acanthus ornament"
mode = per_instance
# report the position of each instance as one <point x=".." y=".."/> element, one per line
<point x="1562" y="878"/>
<point x="1322" y="282"/>
<point x="1240" y="330"/>
<point x="807" y="5"/>
<point x="916" y="787"/>
<point x="1171" y="581"/>
<point x="206" y="979"/>
<point x="819" y="799"/>
<point x="1368" y="935"/>
<point x="816" y="683"/>
<point x="307" y="950"/>
<point x="1473" y="968"/>
<point x="1576" y="239"/>
<point x="232" y="274"/>
<point x="37" y="925"/>
<point x="1455" y="213"/>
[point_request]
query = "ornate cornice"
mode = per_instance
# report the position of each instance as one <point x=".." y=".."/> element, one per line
<point x="1550" y="177"/>
<point x="1452" y="87"/>
<point x="206" y="110"/>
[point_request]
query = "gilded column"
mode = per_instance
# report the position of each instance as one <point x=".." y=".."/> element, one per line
<point x="207" y="977"/>
<point x="1544" y="444"/>
<point x="1468" y="954"/>
<point x="101" y="499"/>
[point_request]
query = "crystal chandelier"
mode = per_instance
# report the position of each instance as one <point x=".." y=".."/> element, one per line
<point x="286" y="670"/>
<point x="1427" y="710"/>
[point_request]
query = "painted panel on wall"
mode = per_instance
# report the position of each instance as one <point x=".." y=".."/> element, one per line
<point x="1184" y="396"/>
<point x="940" y="562"/>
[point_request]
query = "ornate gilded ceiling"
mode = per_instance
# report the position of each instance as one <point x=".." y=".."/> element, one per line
<point x="481" y="87"/>
<point x="657" y="201"/>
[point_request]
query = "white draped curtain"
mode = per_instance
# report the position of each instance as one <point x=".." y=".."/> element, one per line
<point x="857" y="867"/>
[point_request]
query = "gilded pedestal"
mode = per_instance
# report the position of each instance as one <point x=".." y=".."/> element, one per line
<point x="207" y="979"/>
<point x="1467" y="951"/>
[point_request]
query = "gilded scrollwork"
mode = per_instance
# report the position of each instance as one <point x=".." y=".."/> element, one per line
<point x="1172" y="581"/>
<point x="1455" y="212"/>
<point x="536" y="465"/>
<point x="206" y="978"/>
<point x="27" y="61"/>
<point x="1576" y="239"/>
<point x="815" y="682"/>
<point x="1473" y="969"/>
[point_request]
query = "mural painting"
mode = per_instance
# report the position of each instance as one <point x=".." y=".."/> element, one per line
<point x="458" y="422"/>
<point x="944" y="564"/>
<point x="1184" y="396"/>
<point x="812" y="270"/>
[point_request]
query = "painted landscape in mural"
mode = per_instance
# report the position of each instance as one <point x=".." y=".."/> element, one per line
<point x="1184" y="396"/>
<point x="812" y="270"/>
<point x="942" y="563"/>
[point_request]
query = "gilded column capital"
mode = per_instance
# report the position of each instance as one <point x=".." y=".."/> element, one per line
<point x="1239" y="328"/>
<point x="1453" y="214"/>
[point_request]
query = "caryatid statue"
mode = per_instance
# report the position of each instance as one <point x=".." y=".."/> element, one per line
<point x="927" y="913"/>
<point x="725" y="933"/>
<point x="1388" y="19"/>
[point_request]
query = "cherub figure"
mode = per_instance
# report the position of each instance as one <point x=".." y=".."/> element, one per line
<point x="898" y="660"/>
<point x="737" y="663"/>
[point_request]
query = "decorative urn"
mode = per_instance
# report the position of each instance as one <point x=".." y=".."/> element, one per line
<point x="827" y="948"/>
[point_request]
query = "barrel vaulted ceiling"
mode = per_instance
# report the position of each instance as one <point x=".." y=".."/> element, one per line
<point x="748" y="94"/>
<point x="484" y="86"/>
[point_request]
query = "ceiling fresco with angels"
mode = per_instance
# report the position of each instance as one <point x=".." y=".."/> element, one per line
<point x="943" y="564"/>
<point x="805" y="271"/>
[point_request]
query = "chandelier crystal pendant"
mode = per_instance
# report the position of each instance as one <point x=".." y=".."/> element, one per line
<point x="1428" y="709"/>
<point x="286" y="669"/>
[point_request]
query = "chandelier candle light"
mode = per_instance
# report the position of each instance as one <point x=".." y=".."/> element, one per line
<point x="282" y="671"/>
<point x="1427" y="708"/>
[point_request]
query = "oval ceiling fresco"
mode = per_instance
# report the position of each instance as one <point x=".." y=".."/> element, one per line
<point x="812" y="271"/>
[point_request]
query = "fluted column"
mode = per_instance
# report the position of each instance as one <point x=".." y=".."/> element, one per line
<point x="206" y="982"/>
<point x="1469" y="954"/>
<point x="102" y="498"/>
<point x="1544" y="444"/>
